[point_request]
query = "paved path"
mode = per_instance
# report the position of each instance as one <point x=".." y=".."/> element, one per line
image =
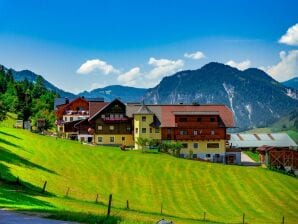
<point x="10" y="217"/>
<point x="247" y="161"/>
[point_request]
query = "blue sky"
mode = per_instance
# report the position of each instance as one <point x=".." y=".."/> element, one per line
<point x="81" y="45"/>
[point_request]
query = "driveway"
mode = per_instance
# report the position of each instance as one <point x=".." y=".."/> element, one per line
<point x="10" y="217"/>
<point x="247" y="161"/>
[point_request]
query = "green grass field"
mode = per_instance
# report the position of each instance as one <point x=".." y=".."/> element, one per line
<point x="185" y="188"/>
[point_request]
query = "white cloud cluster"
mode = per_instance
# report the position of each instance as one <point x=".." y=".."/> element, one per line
<point x="196" y="55"/>
<point x="286" y="68"/>
<point x="163" y="67"/>
<point x="96" y="64"/>
<point x="241" y="65"/>
<point x="130" y="77"/>
<point x="291" y="37"/>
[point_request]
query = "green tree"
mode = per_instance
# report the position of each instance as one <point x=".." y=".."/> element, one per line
<point x="142" y="142"/>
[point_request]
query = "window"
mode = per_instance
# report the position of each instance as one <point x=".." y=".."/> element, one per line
<point x="128" y="128"/>
<point x="123" y="138"/>
<point x="183" y="119"/>
<point x="143" y="130"/>
<point x="103" y="116"/>
<point x="212" y="119"/>
<point x="207" y="155"/>
<point x="183" y="132"/>
<point x="212" y="132"/>
<point x="168" y="130"/>
<point x="111" y="127"/>
<point x="112" y="139"/>
<point x="143" y="118"/>
<point x="65" y="118"/>
<point x="213" y="145"/>
<point x="99" y="127"/>
<point x="71" y="119"/>
<point x="195" y="132"/>
<point x="121" y="115"/>
<point x="116" y="115"/>
<point x="150" y="130"/>
<point x="184" y="145"/>
<point x="194" y="156"/>
<point x="157" y="130"/>
<point x="99" y="139"/>
<point x="111" y="115"/>
<point x="199" y="119"/>
<point x="195" y="145"/>
<point x="137" y="130"/>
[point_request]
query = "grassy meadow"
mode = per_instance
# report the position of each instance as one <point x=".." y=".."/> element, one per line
<point x="185" y="189"/>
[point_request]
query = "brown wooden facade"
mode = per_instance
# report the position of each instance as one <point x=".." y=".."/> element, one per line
<point x="195" y="127"/>
<point x="112" y="120"/>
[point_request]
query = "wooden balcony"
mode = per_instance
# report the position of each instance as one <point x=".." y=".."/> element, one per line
<point x="198" y="137"/>
<point x="197" y="125"/>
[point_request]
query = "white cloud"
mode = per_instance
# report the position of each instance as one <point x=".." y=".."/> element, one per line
<point x="96" y="85"/>
<point x="96" y="64"/>
<point x="287" y="68"/>
<point x="163" y="67"/>
<point x="196" y="55"/>
<point x="129" y="78"/>
<point x="291" y="37"/>
<point x="241" y="65"/>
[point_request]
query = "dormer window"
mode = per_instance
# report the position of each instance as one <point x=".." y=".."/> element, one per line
<point x="143" y="118"/>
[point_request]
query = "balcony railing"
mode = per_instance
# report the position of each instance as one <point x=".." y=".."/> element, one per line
<point x="198" y="137"/>
<point x="77" y="112"/>
<point x="197" y="125"/>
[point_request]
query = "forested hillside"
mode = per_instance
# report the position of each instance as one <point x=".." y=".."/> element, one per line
<point x="29" y="101"/>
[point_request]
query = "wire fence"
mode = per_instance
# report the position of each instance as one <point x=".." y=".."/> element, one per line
<point x="118" y="206"/>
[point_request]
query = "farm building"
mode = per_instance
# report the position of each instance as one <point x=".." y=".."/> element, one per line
<point x="201" y="129"/>
<point x="253" y="141"/>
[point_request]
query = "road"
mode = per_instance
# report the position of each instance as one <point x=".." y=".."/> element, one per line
<point x="10" y="217"/>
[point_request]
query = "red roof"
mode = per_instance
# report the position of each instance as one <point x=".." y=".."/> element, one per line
<point x="94" y="107"/>
<point x="168" y="113"/>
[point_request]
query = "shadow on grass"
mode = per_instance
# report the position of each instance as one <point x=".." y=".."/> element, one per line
<point x="11" y="158"/>
<point x="12" y="197"/>
<point x="8" y="143"/>
<point x="10" y="135"/>
<point x="84" y="217"/>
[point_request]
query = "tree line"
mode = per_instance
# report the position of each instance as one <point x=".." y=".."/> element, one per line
<point x="29" y="101"/>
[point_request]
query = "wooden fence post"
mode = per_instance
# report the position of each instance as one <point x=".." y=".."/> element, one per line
<point x="204" y="216"/>
<point x="109" y="206"/>
<point x="67" y="192"/>
<point x="96" y="200"/>
<point x="243" y="218"/>
<point x="161" y="208"/>
<point x="44" y="187"/>
<point x="283" y="220"/>
<point x="127" y="204"/>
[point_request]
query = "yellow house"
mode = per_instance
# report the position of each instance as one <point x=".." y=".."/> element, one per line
<point x="145" y="125"/>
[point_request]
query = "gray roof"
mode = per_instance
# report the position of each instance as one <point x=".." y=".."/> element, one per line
<point x="260" y="139"/>
<point x="144" y="110"/>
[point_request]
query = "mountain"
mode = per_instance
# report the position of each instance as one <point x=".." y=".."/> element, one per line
<point x="125" y="93"/>
<point x="292" y="83"/>
<point x="31" y="77"/>
<point x="256" y="99"/>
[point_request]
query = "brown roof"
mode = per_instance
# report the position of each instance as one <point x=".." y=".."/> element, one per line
<point x="166" y="113"/>
<point x="94" y="107"/>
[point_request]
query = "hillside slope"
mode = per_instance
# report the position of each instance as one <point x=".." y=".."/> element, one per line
<point x="185" y="188"/>
<point x="256" y="99"/>
<point x="292" y="83"/>
<point x="109" y="93"/>
<point x="31" y="77"/>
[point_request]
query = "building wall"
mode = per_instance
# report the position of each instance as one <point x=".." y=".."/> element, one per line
<point x="118" y="139"/>
<point x="202" y="147"/>
<point x="140" y="125"/>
